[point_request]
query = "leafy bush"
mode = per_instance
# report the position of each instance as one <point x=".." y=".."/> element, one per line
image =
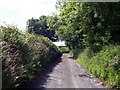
<point x="24" y="56"/>
<point x="105" y="64"/>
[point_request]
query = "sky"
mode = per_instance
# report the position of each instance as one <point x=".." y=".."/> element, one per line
<point x="17" y="12"/>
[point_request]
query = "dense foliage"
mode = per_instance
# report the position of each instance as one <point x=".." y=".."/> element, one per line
<point x="92" y="27"/>
<point x="105" y="64"/>
<point x="41" y="26"/>
<point x="24" y="56"/>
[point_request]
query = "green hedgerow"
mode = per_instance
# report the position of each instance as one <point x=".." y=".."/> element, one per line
<point x="24" y="56"/>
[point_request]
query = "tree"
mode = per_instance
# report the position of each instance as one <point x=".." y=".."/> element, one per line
<point x="40" y="27"/>
<point x="89" y="25"/>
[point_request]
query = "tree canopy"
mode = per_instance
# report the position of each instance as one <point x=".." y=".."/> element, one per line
<point x="89" y="25"/>
<point x="41" y="26"/>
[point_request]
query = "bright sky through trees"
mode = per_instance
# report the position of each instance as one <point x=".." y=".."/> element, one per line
<point x="17" y="12"/>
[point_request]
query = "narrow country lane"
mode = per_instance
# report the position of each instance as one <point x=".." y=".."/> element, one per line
<point x="67" y="73"/>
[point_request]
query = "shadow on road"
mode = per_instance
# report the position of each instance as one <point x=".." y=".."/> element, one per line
<point x="42" y="78"/>
<point x="71" y="57"/>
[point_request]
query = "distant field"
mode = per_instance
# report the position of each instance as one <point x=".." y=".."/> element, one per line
<point x="64" y="49"/>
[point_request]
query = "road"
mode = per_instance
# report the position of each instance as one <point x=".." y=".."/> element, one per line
<point x="66" y="73"/>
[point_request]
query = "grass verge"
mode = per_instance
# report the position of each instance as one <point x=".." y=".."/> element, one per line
<point x="104" y="65"/>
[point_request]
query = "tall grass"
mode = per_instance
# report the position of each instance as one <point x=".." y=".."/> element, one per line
<point x="104" y="65"/>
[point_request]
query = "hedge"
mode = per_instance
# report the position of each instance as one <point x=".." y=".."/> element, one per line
<point x="24" y="56"/>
